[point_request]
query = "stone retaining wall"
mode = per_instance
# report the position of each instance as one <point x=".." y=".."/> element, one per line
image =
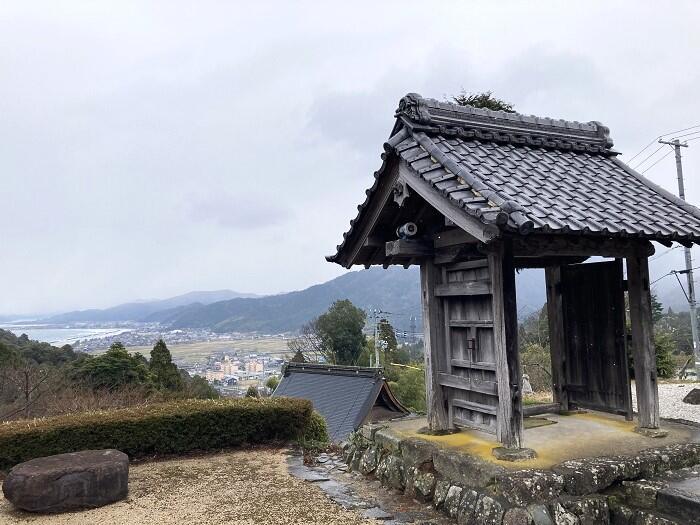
<point x="474" y="491"/>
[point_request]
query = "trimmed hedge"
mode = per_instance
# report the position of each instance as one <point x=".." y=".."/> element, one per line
<point x="163" y="428"/>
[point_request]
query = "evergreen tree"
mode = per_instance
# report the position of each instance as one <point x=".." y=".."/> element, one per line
<point x="165" y="374"/>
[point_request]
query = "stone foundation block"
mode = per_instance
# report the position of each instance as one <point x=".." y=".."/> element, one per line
<point x="442" y="486"/>
<point x="452" y="501"/>
<point x="529" y="486"/>
<point x="369" y="460"/>
<point x="468" y="471"/>
<point x="517" y="516"/>
<point x="417" y="452"/>
<point x="391" y="473"/>
<point x="388" y="440"/>
<point x="591" y="510"/>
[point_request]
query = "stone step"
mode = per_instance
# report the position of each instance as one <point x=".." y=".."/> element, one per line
<point x="681" y="500"/>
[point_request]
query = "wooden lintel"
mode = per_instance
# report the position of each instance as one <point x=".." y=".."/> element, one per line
<point x="544" y="262"/>
<point x="474" y="365"/>
<point x="457" y="215"/>
<point x="560" y="246"/>
<point x="471" y="405"/>
<point x="451" y="237"/>
<point x="408" y="248"/>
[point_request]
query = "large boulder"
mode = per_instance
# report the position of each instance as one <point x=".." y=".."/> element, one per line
<point x="72" y="481"/>
<point x="692" y="397"/>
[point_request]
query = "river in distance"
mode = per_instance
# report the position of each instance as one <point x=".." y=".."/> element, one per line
<point x="59" y="336"/>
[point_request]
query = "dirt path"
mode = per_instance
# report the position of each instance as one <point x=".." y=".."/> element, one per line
<point x="242" y="487"/>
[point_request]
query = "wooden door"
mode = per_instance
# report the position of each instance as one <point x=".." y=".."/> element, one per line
<point x="595" y="357"/>
<point x="468" y="372"/>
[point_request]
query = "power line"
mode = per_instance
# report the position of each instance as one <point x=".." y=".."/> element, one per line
<point x="655" y="163"/>
<point x="649" y="156"/>
<point x="658" y="256"/>
<point x="657" y="138"/>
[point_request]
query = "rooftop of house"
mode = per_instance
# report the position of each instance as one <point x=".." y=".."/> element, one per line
<point x="344" y="395"/>
<point x="519" y="174"/>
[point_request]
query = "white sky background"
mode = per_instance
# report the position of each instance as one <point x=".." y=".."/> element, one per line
<point x="148" y="149"/>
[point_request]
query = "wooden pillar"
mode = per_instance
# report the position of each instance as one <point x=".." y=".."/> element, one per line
<point x="505" y="334"/>
<point x="643" y="340"/>
<point x="555" y="317"/>
<point x="433" y="347"/>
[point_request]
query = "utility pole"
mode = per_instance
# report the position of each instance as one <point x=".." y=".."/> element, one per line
<point x="688" y="258"/>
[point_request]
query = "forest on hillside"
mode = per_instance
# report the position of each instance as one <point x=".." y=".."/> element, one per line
<point x="38" y="379"/>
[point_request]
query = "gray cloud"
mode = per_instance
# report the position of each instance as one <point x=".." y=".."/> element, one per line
<point x="148" y="149"/>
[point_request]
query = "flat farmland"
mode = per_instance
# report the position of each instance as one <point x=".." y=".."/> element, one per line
<point x="192" y="353"/>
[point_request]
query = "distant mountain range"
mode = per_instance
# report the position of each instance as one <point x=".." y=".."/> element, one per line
<point x="139" y="311"/>
<point x="395" y="291"/>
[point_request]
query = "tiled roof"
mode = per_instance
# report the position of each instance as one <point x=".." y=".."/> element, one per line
<point x="528" y="174"/>
<point x="343" y="395"/>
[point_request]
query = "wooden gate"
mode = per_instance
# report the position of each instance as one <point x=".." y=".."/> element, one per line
<point x="468" y="372"/>
<point x="595" y="358"/>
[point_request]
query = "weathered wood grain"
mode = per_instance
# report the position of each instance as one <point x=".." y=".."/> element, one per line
<point x="435" y="398"/>
<point x="642" y="341"/>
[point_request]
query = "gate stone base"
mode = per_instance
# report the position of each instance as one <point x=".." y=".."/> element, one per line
<point x="617" y="490"/>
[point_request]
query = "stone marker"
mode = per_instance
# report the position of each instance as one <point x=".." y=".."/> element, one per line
<point x="692" y="397"/>
<point x="72" y="481"/>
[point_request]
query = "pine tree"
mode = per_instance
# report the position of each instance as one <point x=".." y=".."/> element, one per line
<point x="165" y="373"/>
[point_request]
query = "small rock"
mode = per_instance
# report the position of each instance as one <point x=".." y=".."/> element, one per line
<point x="517" y="516"/>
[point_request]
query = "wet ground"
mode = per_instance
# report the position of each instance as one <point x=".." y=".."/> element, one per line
<point x="361" y="494"/>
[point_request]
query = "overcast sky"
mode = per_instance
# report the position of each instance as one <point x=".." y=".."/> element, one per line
<point x="148" y="149"/>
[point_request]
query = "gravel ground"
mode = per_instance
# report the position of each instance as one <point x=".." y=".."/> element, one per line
<point x="242" y="487"/>
<point x="671" y="405"/>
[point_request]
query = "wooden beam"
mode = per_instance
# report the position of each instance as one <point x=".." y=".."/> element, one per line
<point x="451" y="237"/>
<point x="544" y="262"/>
<point x="555" y="316"/>
<point x="544" y="408"/>
<point x="466" y="323"/>
<point x="558" y="246"/>
<point x="643" y="341"/>
<point x="457" y="215"/>
<point x="465" y="383"/>
<point x="432" y="346"/>
<point x="463" y="288"/>
<point x="505" y="332"/>
<point x="475" y="365"/>
<point x="408" y="248"/>
<point x="470" y="405"/>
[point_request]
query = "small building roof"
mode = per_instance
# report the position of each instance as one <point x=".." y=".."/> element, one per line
<point x="346" y="396"/>
<point x="520" y="174"/>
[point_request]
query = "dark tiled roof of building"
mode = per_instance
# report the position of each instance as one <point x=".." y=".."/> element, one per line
<point x="528" y="174"/>
<point x="343" y="395"/>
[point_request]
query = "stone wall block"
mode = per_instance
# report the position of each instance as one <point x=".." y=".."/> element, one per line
<point x="517" y="516"/>
<point x="540" y="515"/>
<point x="442" y="486"/>
<point x="466" y="512"/>
<point x="388" y="440"/>
<point x="391" y="472"/>
<point x="468" y="471"/>
<point x="452" y="501"/>
<point x="416" y="452"/>
<point x="591" y="510"/>
<point x="369" y="460"/>
<point x="529" y="486"/>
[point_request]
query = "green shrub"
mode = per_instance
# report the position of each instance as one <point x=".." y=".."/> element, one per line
<point x="316" y="430"/>
<point x="163" y="428"/>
